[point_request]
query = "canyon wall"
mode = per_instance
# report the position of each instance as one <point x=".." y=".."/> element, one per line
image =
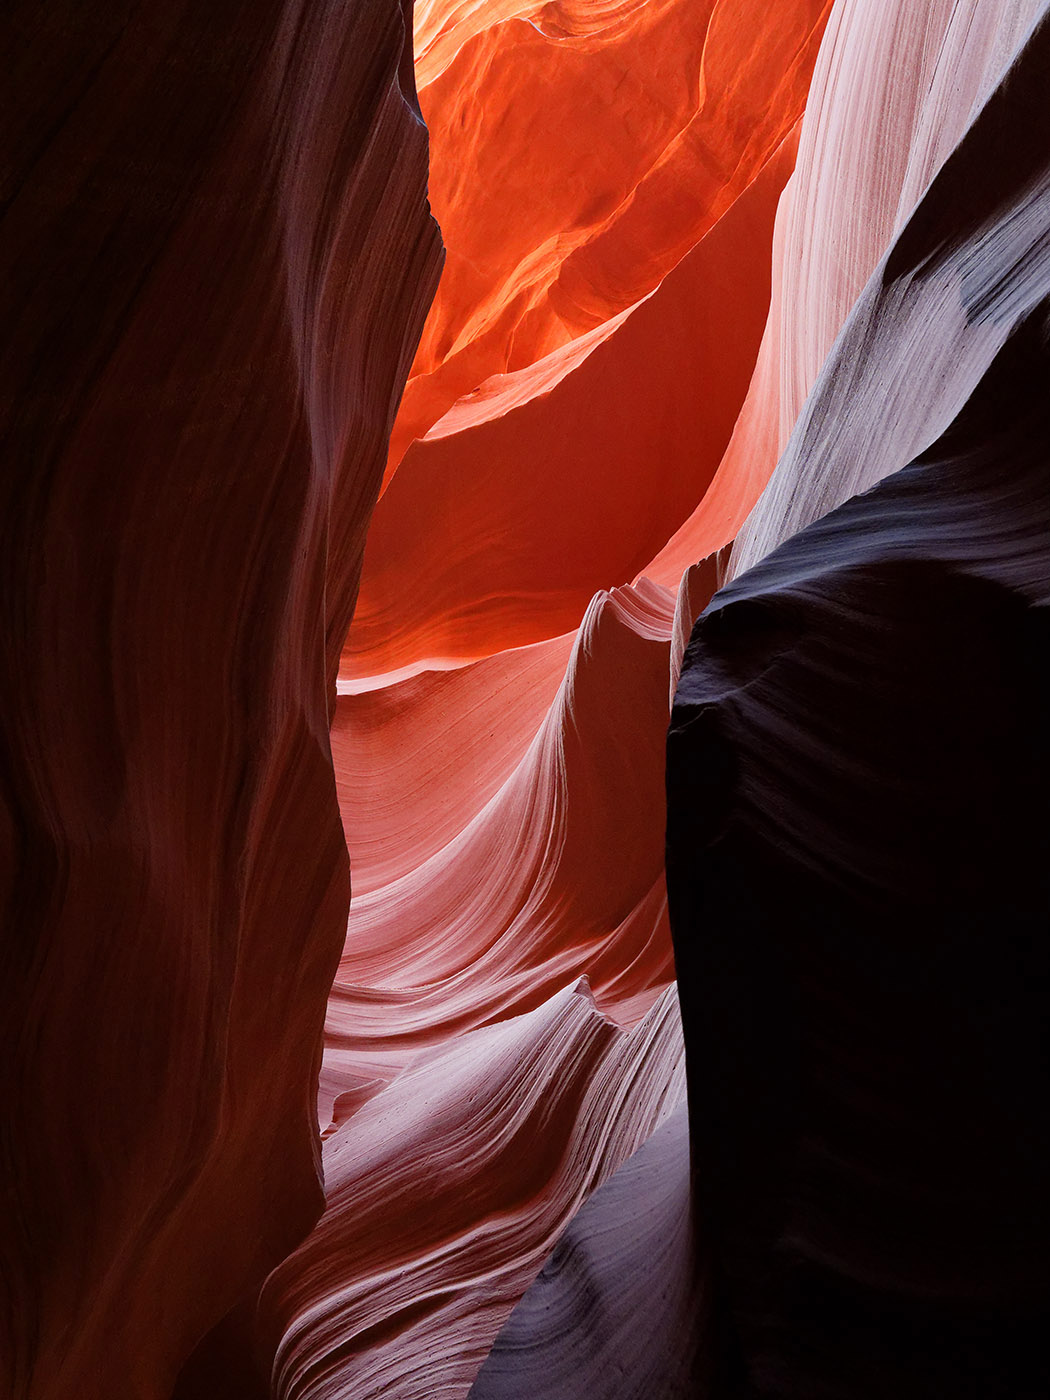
<point x="221" y="256"/>
<point x="731" y="395"/>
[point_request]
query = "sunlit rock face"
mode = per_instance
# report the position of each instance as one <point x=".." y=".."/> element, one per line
<point x="582" y="160"/>
<point x="221" y="256"/>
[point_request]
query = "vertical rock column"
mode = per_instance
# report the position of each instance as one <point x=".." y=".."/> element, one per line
<point x="220" y="254"/>
<point x="858" y="844"/>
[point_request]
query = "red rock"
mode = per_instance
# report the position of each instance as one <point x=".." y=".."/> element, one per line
<point x="670" y="111"/>
<point x="447" y="1190"/>
<point x="207" y="238"/>
<point x="224" y="258"/>
<point x="503" y="527"/>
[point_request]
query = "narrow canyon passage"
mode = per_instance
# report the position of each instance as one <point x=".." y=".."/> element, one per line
<point x="410" y="417"/>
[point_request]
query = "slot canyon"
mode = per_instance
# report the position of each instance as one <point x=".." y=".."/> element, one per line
<point x="526" y="726"/>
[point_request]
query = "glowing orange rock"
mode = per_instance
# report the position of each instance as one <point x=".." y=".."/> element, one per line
<point x="578" y="153"/>
<point x="574" y="394"/>
<point x="502" y="527"/>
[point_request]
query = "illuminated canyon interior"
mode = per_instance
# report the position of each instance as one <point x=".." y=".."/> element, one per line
<point x="526" y="547"/>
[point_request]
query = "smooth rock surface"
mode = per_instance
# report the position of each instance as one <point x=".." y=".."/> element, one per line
<point x="858" y="851"/>
<point x="219" y="255"/>
<point x="617" y="1309"/>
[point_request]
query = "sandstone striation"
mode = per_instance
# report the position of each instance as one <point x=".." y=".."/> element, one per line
<point x="221" y="255"/>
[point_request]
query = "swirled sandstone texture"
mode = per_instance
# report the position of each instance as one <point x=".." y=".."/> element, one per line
<point x="564" y="1337"/>
<point x="618" y="1309"/>
<point x="221" y="253"/>
<point x="895" y="87"/>
<point x="857" y="842"/>
<point x="228" y="259"/>
<point x="612" y="320"/>
<point x="503" y="697"/>
<point x="447" y="1190"/>
<point x="965" y="264"/>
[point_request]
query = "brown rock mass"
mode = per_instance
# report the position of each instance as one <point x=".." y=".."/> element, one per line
<point x="221" y="255"/>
